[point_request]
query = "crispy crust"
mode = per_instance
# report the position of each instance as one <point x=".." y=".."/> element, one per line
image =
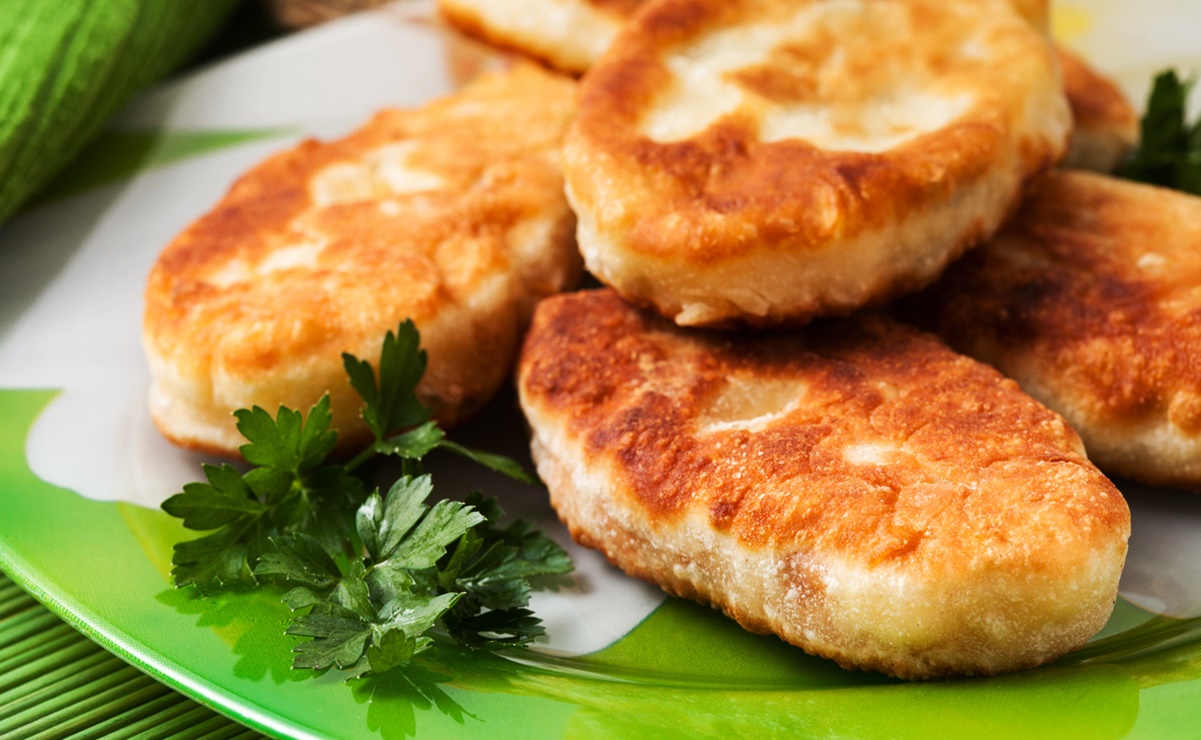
<point x="444" y="215"/>
<point x="831" y="181"/>
<point x="857" y="489"/>
<point x="1104" y="123"/>
<point x="570" y="35"/>
<point x="1089" y="299"/>
<point x="1037" y="12"/>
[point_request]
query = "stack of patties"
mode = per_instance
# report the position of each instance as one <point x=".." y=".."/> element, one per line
<point x="853" y="486"/>
<point x="849" y="484"/>
<point x="451" y="215"/>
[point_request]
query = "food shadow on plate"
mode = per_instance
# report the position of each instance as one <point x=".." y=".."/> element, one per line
<point x="1165" y="547"/>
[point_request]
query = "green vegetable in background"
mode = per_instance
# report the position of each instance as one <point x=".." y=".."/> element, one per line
<point x="67" y="65"/>
<point x="1169" y="148"/>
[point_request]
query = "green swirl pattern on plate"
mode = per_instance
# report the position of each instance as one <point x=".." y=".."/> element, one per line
<point x="685" y="671"/>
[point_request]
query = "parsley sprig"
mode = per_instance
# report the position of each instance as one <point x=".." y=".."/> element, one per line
<point x="371" y="574"/>
<point x="1169" y="148"/>
<point x="291" y="489"/>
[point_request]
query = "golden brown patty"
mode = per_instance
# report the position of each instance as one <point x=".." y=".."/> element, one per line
<point x="1038" y="12"/>
<point x="572" y="34"/>
<point x="1091" y="299"/>
<point x="858" y="489"/>
<point x="1104" y="123"/>
<point x="452" y="215"/>
<point x="567" y="34"/>
<point x="738" y="161"/>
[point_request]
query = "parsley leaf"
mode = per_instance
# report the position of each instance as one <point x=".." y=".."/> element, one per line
<point x="391" y="403"/>
<point x="369" y="575"/>
<point x="225" y="499"/>
<point x="370" y="618"/>
<point x="302" y="560"/>
<point x="1169" y="148"/>
<point x="373" y="615"/>
<point x="492" y="567"/>
<point x="408" y="534"/>
<point x="290" y="490"/>
<point x="413" y="444"/>
<point x="398" y="420"/>
<point x="289" y="442"/>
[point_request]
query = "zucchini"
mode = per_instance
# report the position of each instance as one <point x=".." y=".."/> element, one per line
<point x="67" y="65"/>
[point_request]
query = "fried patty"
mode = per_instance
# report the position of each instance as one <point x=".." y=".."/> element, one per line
<point x="566" y="34"/>
<point x="756" y="163"/>
<point x="1104" y="123"/>
<point x="856" y="488"/>
<point x="1091" y="299"/>
<point x="452" y="215"/>
<point x="571" y="35"/>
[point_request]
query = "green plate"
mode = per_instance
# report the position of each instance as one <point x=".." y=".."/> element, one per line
<point x="82" y="471"/>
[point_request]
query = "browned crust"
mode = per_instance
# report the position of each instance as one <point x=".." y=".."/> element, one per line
<point x="781" y="186"/>
<point x="1037" y="12"/>
<point x="472" y="25"/>
<point x="1100" y="110"/>
<point x="1089" y="298"/>
<point x="452" y="258"/>
<point x="723" y="195"/>
<point x="548" y="54"/>
<point x="623" y="8"/>
<point x="980" y="493"/>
